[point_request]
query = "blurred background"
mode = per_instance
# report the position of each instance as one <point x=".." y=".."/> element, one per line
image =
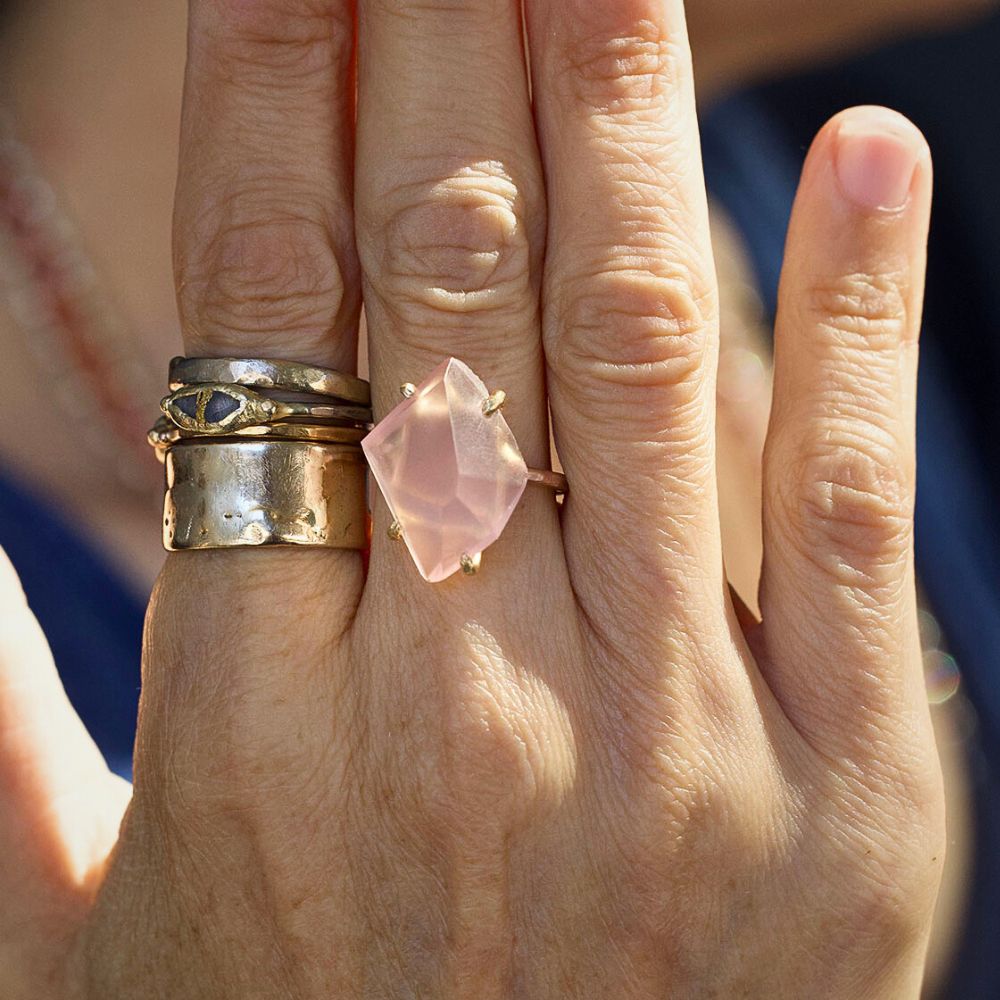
<point x="89" y="113"/>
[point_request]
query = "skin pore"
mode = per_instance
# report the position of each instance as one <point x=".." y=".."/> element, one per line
<point x="76" y="158"/>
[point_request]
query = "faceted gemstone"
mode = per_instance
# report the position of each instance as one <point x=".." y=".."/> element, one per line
<point x="450" y="474"/>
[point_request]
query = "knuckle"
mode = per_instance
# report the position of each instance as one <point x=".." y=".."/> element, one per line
<point x="488" y="754"/>
<point x="500" y="751"/>
<point x="868" y="311"/>
<point x="620" y="66"/>
<point x="275" y="275"/>
<point x="673" y="804"/>
<point x="278" y="39"/>
<point x="894" y="893"/>
<point x="635" y="331"/>
<point x="454" y="249"/>
<point x="855" y="507"/>
<point x="693" y="803"/>
<point x="892" y="845"/>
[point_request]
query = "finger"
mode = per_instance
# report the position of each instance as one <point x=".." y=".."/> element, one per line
<point x="60" y="806"/>
<point x="263" y="227"/>
<point x="263" y="232"/>
<point x="450" y="218"/>
<point x="837" y="590"/>
<point x="629" y="306"/>
<point x="263" y="223"/>
<point x="238" y="641"/>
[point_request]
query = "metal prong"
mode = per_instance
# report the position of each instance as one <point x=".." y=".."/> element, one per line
<point x="494" y="402"/>
<point x="395" y="531"/>
<point x="471" y="564"/>
<point x="407" y="389"/>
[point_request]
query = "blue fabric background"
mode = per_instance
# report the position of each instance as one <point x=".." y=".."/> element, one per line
<point x="93" y="623"/>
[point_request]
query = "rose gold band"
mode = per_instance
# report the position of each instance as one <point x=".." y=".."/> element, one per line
<point x="546" y="477"/>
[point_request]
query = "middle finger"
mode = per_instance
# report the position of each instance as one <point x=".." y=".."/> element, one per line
<point x="450" y="221"/>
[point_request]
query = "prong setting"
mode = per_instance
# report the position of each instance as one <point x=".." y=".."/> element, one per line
<point x="395" y="531"/>
<point x="431" y="455"/>
<point x="494" y="402"/>
<point x="407" y="390"/>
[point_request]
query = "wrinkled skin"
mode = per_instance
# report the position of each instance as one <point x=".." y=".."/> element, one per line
<point x="583" y="773"/>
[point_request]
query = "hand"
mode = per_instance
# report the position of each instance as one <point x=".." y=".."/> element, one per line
<point x="578" y="774"/>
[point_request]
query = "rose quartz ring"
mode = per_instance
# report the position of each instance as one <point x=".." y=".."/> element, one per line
<point x="450" y="470"/>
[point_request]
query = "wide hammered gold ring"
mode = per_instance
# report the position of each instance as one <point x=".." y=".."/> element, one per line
<point x="237" y="493"/>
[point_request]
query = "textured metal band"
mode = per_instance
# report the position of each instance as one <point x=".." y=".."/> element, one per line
<point x="220" y="408"/>
<point x="263" y="373"/>
<point x="165" y="434"/>
<point x="225" y="494"/>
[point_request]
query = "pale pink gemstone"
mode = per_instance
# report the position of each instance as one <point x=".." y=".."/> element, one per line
<point x="451" y="475"/>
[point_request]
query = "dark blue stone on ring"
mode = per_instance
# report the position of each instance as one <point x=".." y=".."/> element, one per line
<point x="219" y="406"/>
<point x="188" y="405"/>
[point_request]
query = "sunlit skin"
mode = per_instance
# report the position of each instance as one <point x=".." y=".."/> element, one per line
<point x="583" y="772"/>
<point x="114" y="161"/>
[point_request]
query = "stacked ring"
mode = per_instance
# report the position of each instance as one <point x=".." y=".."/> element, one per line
<point x="217" y="409"/>
<point x="247" y="467"/>
<point x="261" y="452"/>
<point x="263" y="373"/>
<point x="165" y="433"/>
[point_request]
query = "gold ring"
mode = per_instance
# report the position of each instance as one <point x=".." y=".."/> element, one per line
<point x="165" y="434"/>
<point x="226" y="494"/>
<point x="264" y="373"/>
<point x="219" y="408"/>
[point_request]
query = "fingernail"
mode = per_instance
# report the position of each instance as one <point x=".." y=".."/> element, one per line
<point x="876" y="157"/>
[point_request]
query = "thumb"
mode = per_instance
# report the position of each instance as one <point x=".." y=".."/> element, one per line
<point x="60" y="806"/>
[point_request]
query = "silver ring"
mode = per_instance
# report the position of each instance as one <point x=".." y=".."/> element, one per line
<point x="264" y="373"/>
